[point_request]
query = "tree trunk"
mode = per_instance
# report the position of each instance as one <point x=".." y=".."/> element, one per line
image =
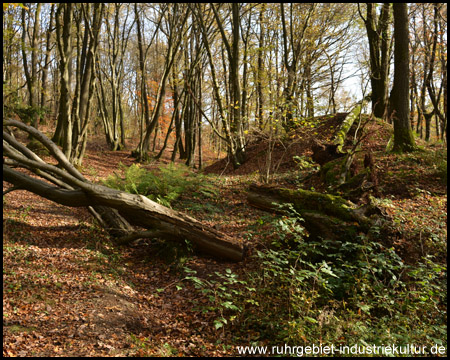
<point x="379" y="46"/>
<point x="296" y="47"/>
<point x="226" y="128"/>
<point x="309" y="93"/>
<point x="63" y="132"/>
<point x="177" y="18"/>
<point x="237" y="146"/>
<point x="259" y="82"/>
<point x="403" y="136"/>
<point x="178" y="145"/>
<point x="143" y="89"/>
<point x="31" y="78"/>
<point x="44" y="90"/>
<point x="85" y="79"/>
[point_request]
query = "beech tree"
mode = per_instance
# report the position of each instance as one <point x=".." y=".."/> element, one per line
<point x="63" y="131"/>
<point x="233" y="132"/>
<point x="31" y="70"/>
<point x="379" y="48"/>
<point x="293" y="47"/>
<point x="175" y="20"/>
<point x="434" y="56"/>
<point x="399" y="98"/>
<point x="111" y="75"/>
<point x="234" y="83"/>
<point x="45" y="68"/>
<point x="74" y="109"/>
<point x="428" y="69"/>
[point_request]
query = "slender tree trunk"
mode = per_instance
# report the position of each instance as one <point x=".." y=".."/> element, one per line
<point x="178" y="145"/>
<point x="259" y="84"/>
<point x="177" y="20"/>
<point x="86" y="77"/>
<point x="379" y="45"/>
<point x="293" y="46"/>
<point x="63" y="133"/>
<point x="309" y="93"/>
<point x="403" y="136"/>
<point x="31" y="77"/>
<point x="236" y="100"/>
<point x="143" y="88"/>
<point x="44" y="89"/>
<point x="199" y="122"/>
<point x="231" y="147"/>
<point x="430" y="85"/>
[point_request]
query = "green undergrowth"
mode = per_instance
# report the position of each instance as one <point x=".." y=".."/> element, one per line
<point x="433" y="159"/>
<point x="424" y="163"/>
<point x="360" y="292"/>
<point x="164" y="185"/>
<point x="306" y="292"/>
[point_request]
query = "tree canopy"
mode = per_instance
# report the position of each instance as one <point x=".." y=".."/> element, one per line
<point x="183" y="74"/>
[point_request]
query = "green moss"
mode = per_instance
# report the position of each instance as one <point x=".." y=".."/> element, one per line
<point x="403" y="141"/>
<point x="20" y="329"/>
<point x="328" y="227"/>
<point x="330" y="172"/>
<point x="351" y="189"/>
<point x="37" y="147"/>
<point x="332" y="205"/>
<point x="345" y="127"/>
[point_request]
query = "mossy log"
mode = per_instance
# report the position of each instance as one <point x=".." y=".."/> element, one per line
<point x="344" y="128"/>
<point x="325" y="215"/>
<point x="361" y="180"/>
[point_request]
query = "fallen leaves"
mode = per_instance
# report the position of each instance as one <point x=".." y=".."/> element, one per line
<point x="69" y="292"/>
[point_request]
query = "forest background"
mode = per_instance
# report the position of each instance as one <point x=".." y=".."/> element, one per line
<point x="208" y="74"/>
<point x="249" y="93"/>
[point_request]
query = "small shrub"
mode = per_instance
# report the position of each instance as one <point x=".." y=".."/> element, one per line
<point x="224" y="293"/>
<point x="164" y="186"/>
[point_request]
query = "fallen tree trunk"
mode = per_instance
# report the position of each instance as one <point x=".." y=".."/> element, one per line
<point x="73" y="190"/>
<point x="341" y="133"/>
<point x="325" y="215"/>
<point x="109" y="218"/>
<point x="325" y="153"/>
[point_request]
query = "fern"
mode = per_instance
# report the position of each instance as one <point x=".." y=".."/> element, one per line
<point x="164" y="186"/>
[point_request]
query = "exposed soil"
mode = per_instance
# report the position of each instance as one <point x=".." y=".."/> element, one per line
<point x="283" y="149"/>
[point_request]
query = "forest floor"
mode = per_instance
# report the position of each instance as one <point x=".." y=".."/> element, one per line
<point x="69" y="291"/>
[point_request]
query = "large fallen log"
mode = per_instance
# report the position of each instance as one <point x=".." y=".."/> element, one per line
<point x="71" y="189"/>
<point x="325" y="215"/>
